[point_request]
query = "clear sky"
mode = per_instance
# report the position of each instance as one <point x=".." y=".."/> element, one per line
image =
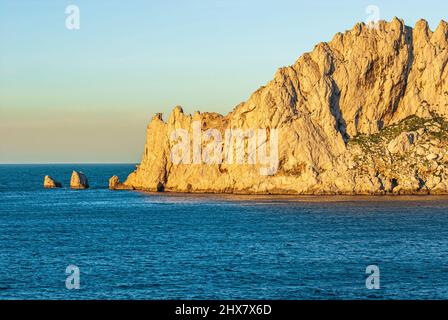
<point x="87" y="95"/>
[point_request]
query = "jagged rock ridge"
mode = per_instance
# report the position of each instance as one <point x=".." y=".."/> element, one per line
<point x="362" y="114"/>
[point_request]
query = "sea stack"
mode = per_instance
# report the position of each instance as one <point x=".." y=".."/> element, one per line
<point x="114" y="182"/>
<point x="78" y="181"/>
<point x="50" y="183"/>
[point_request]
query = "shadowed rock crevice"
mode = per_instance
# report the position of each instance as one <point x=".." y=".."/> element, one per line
<point x="401" y="87"/>
<point x="337" y="114"/>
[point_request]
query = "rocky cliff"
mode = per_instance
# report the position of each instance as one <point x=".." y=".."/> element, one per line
<point x="362" y="114"/>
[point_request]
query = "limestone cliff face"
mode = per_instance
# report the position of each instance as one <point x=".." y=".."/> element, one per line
<point x="364" y="113"/>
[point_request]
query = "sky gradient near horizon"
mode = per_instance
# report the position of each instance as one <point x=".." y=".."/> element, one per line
<point x="69" y="96"/>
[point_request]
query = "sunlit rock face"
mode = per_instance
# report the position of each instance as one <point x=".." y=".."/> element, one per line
<point x="362" y="114"/>
<point x="78" y="181"/>
<point x="115" y="184"/>
<point x="50" y="183"/>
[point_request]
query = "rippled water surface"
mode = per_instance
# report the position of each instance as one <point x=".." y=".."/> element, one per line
<point x="134" y="245"/>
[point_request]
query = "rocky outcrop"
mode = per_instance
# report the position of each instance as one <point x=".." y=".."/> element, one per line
<point x="362" y="114"/>
<point x="402" y="143"/>
<point x="50" y="183"/>
<point x="115" y="184"/>
<point x="78" y="181"/>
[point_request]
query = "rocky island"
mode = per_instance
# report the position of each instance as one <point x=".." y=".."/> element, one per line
<point x="78" y="181"/>
<point x="365" y="113"/>
<point x="50" y="183"/>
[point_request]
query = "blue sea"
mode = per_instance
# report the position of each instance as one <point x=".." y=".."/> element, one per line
<point x="136" y="245"/>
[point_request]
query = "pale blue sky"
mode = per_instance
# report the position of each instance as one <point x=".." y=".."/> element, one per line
<point x="87" y="95"/>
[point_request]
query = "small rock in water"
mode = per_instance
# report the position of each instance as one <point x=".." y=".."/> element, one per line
<point x="78" y="181"/>
<point x="50" y="183"/>
<point x="115" y="184"/>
